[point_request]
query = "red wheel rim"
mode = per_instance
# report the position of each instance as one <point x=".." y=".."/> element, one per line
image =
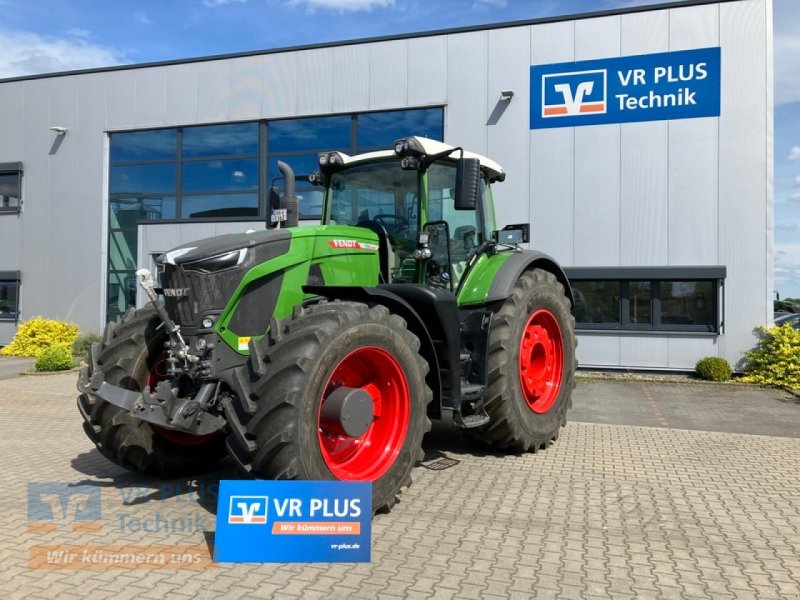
<point x="369" y="456"/>
<point x="541" y="361"/>
<point x="158" y="372"/>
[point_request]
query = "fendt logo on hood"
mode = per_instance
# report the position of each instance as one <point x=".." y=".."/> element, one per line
<point x="351" y="245"/>
<point x="176" y="292"/>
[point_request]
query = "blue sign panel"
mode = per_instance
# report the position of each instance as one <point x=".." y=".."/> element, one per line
<point x="647" y="87"/>
<point x="293" y="521"/>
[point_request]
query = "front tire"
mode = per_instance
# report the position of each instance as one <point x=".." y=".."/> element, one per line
<point x="322" y="348"/>
<point x="129" y="356"/>
<point x="531" y="366"/>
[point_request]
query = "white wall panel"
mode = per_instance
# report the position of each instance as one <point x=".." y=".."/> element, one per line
<point x="37" y="198"/>
<point x="12" y="101"/>
<point x="693" y="192"/>
<point x="151" y="97"/>
<point x="388" y="74"/>
<point x="213" y="91"/>
<point x="182" y="97"/>
<point x="685" y="351"/>
<point x="121" y="100"/>
<point x="427" y="71"/>
<point x="506" y="121"/>
<point x="466" y="80"/>
<point x="315" y="75"/>
<point x="744" y="237"/>
<point x="595" y="350"/>
<point x="645" y="32"/>
<point x="246" y="87"/>
<point x="644" y="194"/>
<point x="644" y="352"/>
<point x="552" y="151"/>
<point x="280" y="85"/>
<point x="694" y="27"/>
<point x="10" y="242"/>
<point x="352" y="80"/>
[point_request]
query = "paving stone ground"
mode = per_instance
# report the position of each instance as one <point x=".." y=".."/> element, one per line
<point x="610" y="511"/>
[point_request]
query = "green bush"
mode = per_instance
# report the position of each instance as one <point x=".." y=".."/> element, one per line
<point x="55" y="358"/>
<point x="713" y="368"/>
<point x="82" y="343"/>
<point x="776" y="358"/>
<point x="37" y="335"/>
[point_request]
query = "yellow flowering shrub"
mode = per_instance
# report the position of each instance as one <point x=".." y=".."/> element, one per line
<point x="36" y="335"/>
<point x="776" y="358"/>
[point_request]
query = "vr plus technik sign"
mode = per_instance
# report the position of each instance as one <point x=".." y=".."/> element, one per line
<point x="293" y="521"/>
<point x="647" y="87"/>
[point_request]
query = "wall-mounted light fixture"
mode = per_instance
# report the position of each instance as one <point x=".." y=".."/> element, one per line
<point x="59" y="130"/>
<point x="506" y="95"/>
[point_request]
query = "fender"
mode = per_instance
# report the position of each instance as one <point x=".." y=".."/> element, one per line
<point x="519" y="262"/>
<point x="439" y="337"/>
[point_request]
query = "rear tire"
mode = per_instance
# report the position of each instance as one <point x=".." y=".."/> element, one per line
<point x="127" y="355"/>
<point x="531" y="366"/>
<point x="322" y="347"/>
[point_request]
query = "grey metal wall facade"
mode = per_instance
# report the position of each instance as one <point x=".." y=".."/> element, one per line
<point x="682" y="192"/>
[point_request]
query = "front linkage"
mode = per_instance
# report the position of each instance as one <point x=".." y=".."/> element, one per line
<point x="164" y="406"/>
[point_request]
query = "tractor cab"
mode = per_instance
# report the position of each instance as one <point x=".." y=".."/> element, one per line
<point x="429" y="203"/>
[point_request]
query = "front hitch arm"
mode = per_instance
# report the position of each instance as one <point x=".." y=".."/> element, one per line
<point x="164" y="407"/>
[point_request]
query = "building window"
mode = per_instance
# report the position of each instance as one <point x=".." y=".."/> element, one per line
<point x="226" y="172"/>
<point x="669" y="299"/>
<point x="10" y="187"/>
<point x="9" y="295"/>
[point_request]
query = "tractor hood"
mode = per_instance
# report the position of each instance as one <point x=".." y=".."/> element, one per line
<point x="222" y="244"/>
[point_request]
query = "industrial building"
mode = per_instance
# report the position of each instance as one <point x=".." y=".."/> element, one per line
<point x="637" y="143"/>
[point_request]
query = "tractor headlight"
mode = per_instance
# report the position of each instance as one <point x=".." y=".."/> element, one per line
<point x="220" y="262"/>
<point x="323" y="160"/>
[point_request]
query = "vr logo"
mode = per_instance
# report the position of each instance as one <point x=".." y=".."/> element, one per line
<point x="62" y="501"/>
<point x="248" y="510"/>
<point x="570" y="94"/>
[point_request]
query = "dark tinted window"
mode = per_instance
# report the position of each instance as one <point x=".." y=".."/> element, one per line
<point x="382" y="129"/>
<point x="219" y="140"/>
<point x="9" y="299"/>
<point x="639" y="303"/>
<point x="319" y="133"/>
<point x="10" y="184"/>
<point x="220" y="206"/>
<point x="302" y="164"/>
<point x="143" y="179"/>
<point x="213" y="175"/>
<point x="688" y="303"/>
<point x="596" y="301"/>
<point x="157" y="144"/>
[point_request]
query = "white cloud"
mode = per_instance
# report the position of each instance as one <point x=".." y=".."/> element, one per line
<point x="786" y="227"/>
<point x="794" y="196"/>
<point x="141" y="17"/>
<point x="489" y="3"/>
<point x="342" y="5"/>
<point x="25" y="53"/>
<point x="794" y="153"/>
<point x="213" y="3"/>
<point x="787" y="266"/>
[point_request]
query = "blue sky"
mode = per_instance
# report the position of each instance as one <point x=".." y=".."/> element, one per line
<point x="56" y="35"/>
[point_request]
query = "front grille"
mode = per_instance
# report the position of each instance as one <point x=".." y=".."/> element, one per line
<point x="207" y="291"/>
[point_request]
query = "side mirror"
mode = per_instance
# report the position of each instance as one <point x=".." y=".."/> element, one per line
<point x="468" y="183"/>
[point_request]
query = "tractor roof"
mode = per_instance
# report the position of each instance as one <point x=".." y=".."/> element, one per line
<point x="493" y="169"/>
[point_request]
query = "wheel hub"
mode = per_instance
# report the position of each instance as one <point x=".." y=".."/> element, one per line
<point x="347" y="411"/>
<point x="541" y="361"/>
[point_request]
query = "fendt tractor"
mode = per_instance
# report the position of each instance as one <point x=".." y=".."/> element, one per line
<point x="323" y="352"/>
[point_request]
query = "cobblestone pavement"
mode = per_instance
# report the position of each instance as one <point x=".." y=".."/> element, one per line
<point x="609" y="511"/>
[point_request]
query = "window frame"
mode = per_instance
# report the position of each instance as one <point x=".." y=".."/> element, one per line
<point x="13" y="168"/>
<point x="12" y="277"/>
<point x="655" y="276"/>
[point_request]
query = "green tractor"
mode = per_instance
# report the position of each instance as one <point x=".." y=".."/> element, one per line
<point x="323" y="352"/>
